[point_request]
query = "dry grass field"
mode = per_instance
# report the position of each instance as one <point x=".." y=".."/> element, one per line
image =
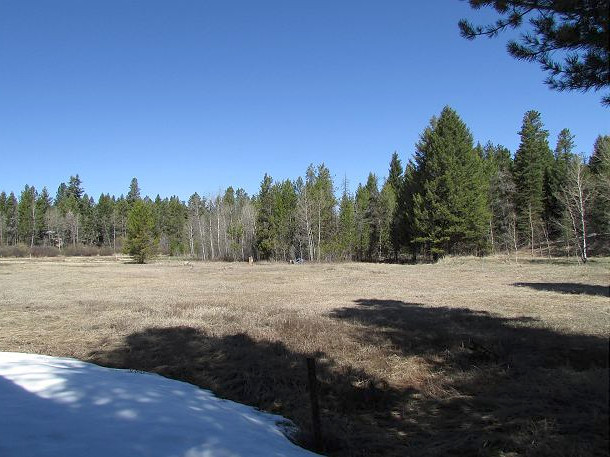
<point x="464" y="357"/>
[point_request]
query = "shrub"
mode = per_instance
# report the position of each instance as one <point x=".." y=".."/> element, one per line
<point x="14" y="251"/>
<point x="44" y="251"/>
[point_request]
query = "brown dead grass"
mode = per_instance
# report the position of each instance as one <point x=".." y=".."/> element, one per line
<point x="465" y="357"/>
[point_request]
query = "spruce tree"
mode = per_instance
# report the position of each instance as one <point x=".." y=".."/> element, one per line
<point x="363" y="229"/>
<point x="26" y="215"/>
<point x="284" y="219"/>
<point x="347" y="228"/>
<point x="395" y="183"/>
<point x="12" y="219"/>
<point x="404" y="215"/>
<point x="532" y="160"/>
<point x="264" y="217"/>
<point x="554" y="178"/>
<point x="450" y="204"/>
<point x="104" y="220"/>
<point x="324" y="211"/>
<point x="372" y="218"/>
<point x="387" y="209"/>
<point x="134" y="192"/>
<point x="140" y="242"/>
<point x="599" y="163"/>
<point x="43" y="203"/>
<point x="395" y="173"/>
<point x="499" y="167"/>
<point x="2" y="218"/>
<point x="174" y="218"/>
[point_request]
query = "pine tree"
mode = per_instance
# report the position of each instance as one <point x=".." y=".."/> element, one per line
<point x="322" y="192"/>
<point x="387" y="209"/>
<point x="405" y="218"/>
<point x="554" y="178"/>
<point x="264" y="227"/>
<point x="395" y="173"/>
<point x="3" y="199"/>
<point x="174" y="218"/>
<point x="395" y="184"/>
<point x="283" y="218"/>
<point x="498" y="168"/>
<point x="450" y="204"/>
<point x="134" y="192"/>
<point x="599" y="164"/>
<point x="26" y="215"/>
<point x="61" y="194"/>
<point x="140" y="243"/>
<point x="363" y="229"/>
<point x="12" y="219"/>
<point x="532" y="159"/>
<point x="43" y="203"/>
<point x="104" y="220"/>
<point x="75" y="188"/>
<point x="372" y="218"/>
<point x="347" y="229"/>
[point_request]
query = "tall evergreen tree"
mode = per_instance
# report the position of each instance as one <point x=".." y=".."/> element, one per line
<point x="75" y="188"/>
<point x="27" y="215"/>
<point x="387" y="208"/>
<point x="395" y="173"/>
<point x="134" y="192"/>
<point x="599" y="163"/>
<point x="405" y="218"/>
<point x="363" y="228"/>
<point x="174" y="219"/>
<point x="532" y="159"/>
<point x="264" y="219"/>
<point x="3" y="199"/>
<point x="450" y="205"/>
<point x="283" y="219"/>
<point x="140" y="242"/>
<point x="395" y="184"/>
<point x="347" y="228"/>
<point x="104" y="220"/>
<point x="323" y="195"/>
<point x="554" y="178"/>
<point x="372" y="217"/>
<point x="43" y="203"/>
<point x="12" y="219"/>
<point x="502" y="224"/>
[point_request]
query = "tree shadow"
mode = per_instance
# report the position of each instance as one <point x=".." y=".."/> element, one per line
<point x="567" y="288"/>
<point x="268" y="375"/>
<point x="499" y="385"/>
<point x="493" y="385"/>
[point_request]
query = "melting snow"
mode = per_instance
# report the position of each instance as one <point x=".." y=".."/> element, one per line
<point x="64" y="407"/>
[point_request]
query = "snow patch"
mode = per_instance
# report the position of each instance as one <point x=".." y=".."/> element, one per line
<point x="58" y="406"/>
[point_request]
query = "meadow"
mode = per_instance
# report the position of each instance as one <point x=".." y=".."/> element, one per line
<point x="468" y="356"/>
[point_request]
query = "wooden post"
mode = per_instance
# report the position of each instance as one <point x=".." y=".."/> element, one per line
<point x="315" y="409"/>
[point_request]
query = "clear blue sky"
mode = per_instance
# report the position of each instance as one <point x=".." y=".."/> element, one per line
<point x="199" y="95"/>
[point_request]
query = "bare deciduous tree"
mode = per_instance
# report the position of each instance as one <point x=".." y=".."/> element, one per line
<point x="576" y="194"/>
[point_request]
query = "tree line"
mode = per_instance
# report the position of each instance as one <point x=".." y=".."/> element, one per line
<point x="453" y="197"/>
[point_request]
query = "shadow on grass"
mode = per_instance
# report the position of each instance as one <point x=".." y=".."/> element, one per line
<point x="567" y="288"/>
<point x="499" y="385"/>
<point x="502" y="384"/>
<point x="264" y="374"/>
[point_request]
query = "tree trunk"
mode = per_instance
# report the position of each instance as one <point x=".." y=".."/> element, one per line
<point x="211" y="238"/>
<point x="201" y="238"/>
<point x="491" y="235"/>
<point x="531" y="219"/>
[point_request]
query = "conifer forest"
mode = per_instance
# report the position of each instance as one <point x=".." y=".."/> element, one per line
<point x="453" y="197"/>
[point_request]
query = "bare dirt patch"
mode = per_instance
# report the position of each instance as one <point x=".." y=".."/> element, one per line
<point x="465" y="357"/>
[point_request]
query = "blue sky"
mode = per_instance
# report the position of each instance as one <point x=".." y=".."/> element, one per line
<point x="199" y="95"/>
